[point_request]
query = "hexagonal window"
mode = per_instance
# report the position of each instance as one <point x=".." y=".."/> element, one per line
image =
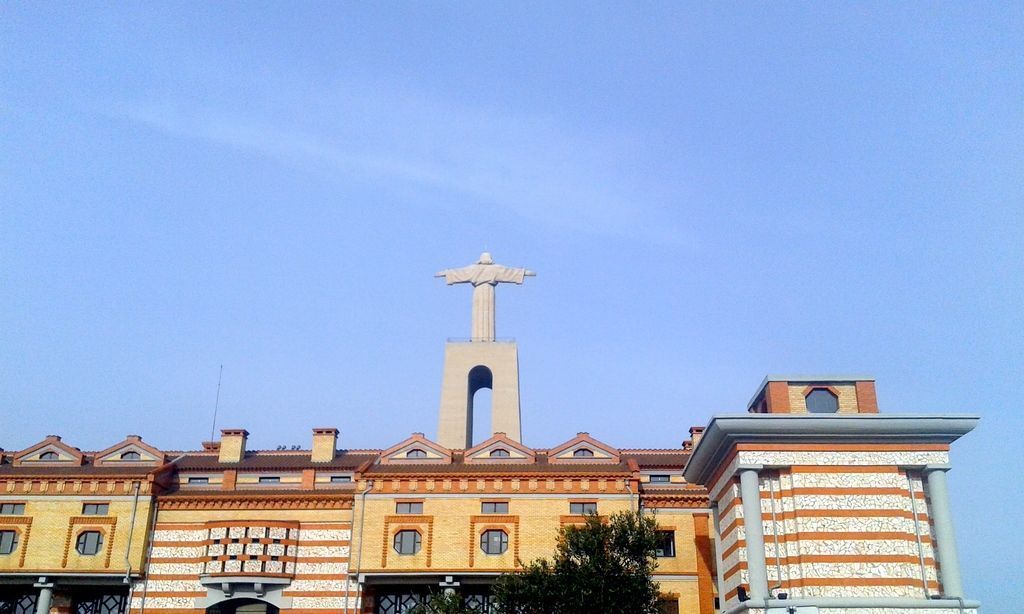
<point x="407" y="542"/>
<point x="822" y="401"/>
<point x="494" y="541"/>
<point x="89" y="542"/>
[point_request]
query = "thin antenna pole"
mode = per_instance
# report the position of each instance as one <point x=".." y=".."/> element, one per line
<point x="216" y="405"/>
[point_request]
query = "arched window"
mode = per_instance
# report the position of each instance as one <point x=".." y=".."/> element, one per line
<point x="417" y="453"/>
<point x="89" y="542"/>
<point x="49" y="456"/>
<point x="500" y="453"/>
<point x="583" y="453"/>
<point x="407" y="542"/>
<point x="131" y="456"/>
<point x="494" y="541"/>
<point x="822" y="401"/>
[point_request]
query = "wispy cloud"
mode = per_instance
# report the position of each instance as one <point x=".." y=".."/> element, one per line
<point x="531" y="167"/>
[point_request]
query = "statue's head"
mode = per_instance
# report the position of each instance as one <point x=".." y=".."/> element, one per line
<point x="485" y="258"/>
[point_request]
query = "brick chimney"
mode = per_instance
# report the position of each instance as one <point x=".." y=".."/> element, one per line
<point x="325" y="444"/>
<point x="232" y="445"/>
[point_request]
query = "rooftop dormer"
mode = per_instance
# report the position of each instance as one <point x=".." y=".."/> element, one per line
<point x="815" y="394"/>
<point x="416" y="449"/>
<point x="583" y="449"/>
<point x="50" y="451"/>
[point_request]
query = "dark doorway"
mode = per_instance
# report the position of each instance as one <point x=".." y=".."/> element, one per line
<point x="242" y="606"/>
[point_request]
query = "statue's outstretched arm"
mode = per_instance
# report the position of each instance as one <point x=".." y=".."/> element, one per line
<point x="457" y="276"/>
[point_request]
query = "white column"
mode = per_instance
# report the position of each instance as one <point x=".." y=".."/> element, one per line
<point x="753" y="527"/>
<point x="945" y="542"/>
<point x="45" y="596"/>
<point x="483" y="312"/>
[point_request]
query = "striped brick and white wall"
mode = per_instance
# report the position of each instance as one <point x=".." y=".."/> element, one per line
<point x="312" y="556"/>
<point x="837" y="522"/>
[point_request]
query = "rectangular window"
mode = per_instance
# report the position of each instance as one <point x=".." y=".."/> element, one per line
<point x="668" y="606"/>
<point x="341" y="479"/>
<point x="199" y="481"/>
<point x="666" y="544"/>
<point x="494" y="507"/>
<point x="266" y="479"/>
<point x="409" y="507"/>
<point x="661" y="479"/>
<point x="583" y="508"/>
<point x="12" y="509"/>
<point x="96" y="509"/>
<point x="8" y="543"/>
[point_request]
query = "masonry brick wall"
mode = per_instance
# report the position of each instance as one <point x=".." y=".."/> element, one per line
<point x="313" y="551"/>
<point x="837" y="523"/>
<point x="53" y="519"/>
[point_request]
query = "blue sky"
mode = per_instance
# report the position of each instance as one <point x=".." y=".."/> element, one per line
<point x="708" y="193"/>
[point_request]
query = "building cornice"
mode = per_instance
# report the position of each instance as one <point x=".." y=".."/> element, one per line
<point x="255" y="501"/>
<point x="723" y="432"/>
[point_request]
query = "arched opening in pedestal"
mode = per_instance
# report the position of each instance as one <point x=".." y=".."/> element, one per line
<point x="481" y="382"/>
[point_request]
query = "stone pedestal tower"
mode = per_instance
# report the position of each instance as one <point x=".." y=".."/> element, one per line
<point x="480" y="362"/>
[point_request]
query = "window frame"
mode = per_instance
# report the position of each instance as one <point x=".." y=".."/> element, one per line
<point x="12" y="509"/>
<point x="662" y="478"/>
<point x="416" y="453"/>
<point x="583" y="453"/>
<point x="82" y="540"/>
<point x="584" y="508"/>
<point x="96" y="509"/>
<point x="670" y="536"/>
<point x="493" y="504"/>
<point x="399" y="540"/>
<point x="269" y="479"/>
<point x="340" y="479"/>
<point x="485" y="541"/>
<point x="12" y="542"/>
<point x="500" y="453"/>
<point x="410" y="508"/>
<point x="130" y="456"/>
<point x="198" y="480"/>
<point x="49" y="456"/>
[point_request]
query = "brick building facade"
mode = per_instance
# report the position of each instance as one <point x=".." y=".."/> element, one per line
<point x="811" y="502"/>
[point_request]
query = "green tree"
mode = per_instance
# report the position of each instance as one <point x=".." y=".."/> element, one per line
<point x="600" y="568"/>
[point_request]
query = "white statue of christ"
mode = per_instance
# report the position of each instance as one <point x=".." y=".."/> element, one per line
<point x="484" y="275"/>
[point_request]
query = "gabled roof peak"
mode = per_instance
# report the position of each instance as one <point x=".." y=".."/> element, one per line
<point x="583" y="448"/>
<point x="499" y="448"/>
<point x="418" y="449"/>
<point x="65" y="454"/>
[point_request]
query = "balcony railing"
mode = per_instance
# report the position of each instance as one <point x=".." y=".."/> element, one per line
<point x="472" y="340"/>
